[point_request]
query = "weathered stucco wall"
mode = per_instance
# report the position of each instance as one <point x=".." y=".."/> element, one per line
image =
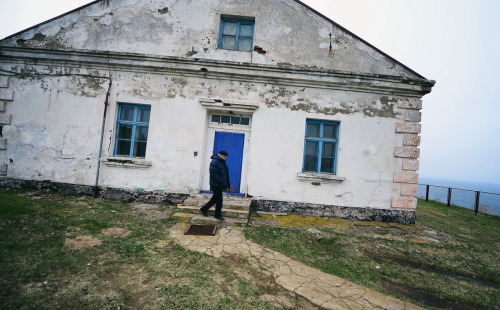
<point x="286" y="33"/>
<point x="56" y="78"/>
<point x="56" y="134"/>
<point x="53" y="133"/>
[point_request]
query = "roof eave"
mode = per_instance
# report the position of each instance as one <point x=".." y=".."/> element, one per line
<point x="360" y="39"/>
<point x="54" y="18"/>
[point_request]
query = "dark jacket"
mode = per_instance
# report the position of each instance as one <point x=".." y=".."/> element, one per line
<point x="219" y="173"/>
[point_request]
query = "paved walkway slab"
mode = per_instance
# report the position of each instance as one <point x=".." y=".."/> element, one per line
<point x="322" y="289"/>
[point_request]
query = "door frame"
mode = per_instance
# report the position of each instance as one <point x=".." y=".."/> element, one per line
<point x="209" y="145"/>
<point x="225" y="107"/>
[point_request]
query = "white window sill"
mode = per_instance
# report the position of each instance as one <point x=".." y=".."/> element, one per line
<point x="320" y="177"/>
<point x="126" y="162"/>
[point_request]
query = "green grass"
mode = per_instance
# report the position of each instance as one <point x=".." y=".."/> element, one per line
<point x="147" y="270"/>
<point x="461" y="273"/>
<point x="143" y="270"/>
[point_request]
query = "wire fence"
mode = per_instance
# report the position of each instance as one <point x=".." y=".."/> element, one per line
<point x="478" y="201"/>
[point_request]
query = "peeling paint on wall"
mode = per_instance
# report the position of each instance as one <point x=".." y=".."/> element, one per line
<point x="164" y="53"/>
<point x="174" y="28"/>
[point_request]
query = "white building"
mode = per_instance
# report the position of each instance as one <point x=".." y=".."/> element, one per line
<point x="136" y="95"/>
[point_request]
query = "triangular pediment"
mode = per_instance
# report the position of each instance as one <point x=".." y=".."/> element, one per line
<point x="287" y="33"/>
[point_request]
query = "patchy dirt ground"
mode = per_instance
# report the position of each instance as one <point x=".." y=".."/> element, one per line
<point x="152" y="212"/>
<point x="40" y="195"/>
<point x="81" y="242"/>
<point x="116" y="232"/>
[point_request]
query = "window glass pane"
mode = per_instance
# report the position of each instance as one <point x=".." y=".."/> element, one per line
<point x="312" y="130"/>
<point x="141" y="133"/>
<point x="143" y="115"/>
<point x="235" y="120"/>
<point x="311" y="148"/>
<point x="132" y="130"/>
<point x="329" y="131"/>
<point x="216" y="118"/>
<point x="225" y="119"/>
<point x="246" y="30"/>
<point x="127" y="113"/>
<point x="228" y="42"/>
<point x="328" y="149"/>
<point x="326" y="164"/>
<point x="124" y="131"/>
<point x="229" y="28"/>
<point x="140" y="149"/>
<point x="245" y="44"/>
<point x="123" y="147"/>
<point x="310" y="163"/>
<point x="245" y="121"/>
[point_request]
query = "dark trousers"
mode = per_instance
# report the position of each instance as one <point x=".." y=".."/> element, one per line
<point x="215" y="200"/>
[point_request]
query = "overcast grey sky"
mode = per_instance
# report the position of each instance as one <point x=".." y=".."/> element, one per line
<point x="455" y="42"/>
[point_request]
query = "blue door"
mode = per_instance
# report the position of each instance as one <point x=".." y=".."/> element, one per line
<point x="232" y="143"/>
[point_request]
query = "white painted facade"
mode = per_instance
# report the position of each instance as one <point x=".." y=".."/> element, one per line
<point x="55" y="79"/>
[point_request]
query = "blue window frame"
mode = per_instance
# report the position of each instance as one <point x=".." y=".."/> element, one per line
<point x="236" y="34"/>
<point x="132" y="127"/>
<point x="320" y="146"/>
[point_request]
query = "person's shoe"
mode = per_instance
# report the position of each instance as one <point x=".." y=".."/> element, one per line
<point x="203" y="212"/>
<point x="220" y="218"/>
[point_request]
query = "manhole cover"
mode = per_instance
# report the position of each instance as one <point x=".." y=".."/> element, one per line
<point x="203" y="230"/>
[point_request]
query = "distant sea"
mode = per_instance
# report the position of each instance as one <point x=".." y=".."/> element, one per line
<point x="460" y="196"/>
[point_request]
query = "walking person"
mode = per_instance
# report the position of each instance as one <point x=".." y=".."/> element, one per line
<point x="219" y="181"/>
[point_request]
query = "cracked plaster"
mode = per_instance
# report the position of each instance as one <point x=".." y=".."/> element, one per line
<point x="132" y="25"/>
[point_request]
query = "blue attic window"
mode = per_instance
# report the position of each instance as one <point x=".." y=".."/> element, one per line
<point x="236" y="34"/>
<point x="320" y="146"/>
<point x="132" y="130"/>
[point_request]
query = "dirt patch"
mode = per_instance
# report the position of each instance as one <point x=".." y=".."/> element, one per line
<point x="423" y="297"/>
<point x="152" y="212"/>
<point x="390" y="231"/>
<point x="78" y="203"/>
<point x="40" y="196"/>
<point x="116" y="232"/>
<point x="279" y="301"/>
<point x="33" y="286"/>
<point x="81" y="242"/>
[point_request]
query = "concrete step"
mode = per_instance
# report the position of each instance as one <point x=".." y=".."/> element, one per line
<point x="226" y="212"/>
<point x="183" y="217"/>
<point x="230" y="221"/>
<point x="209" y="220"/>
<point x="192" y="201"/>
<point x="230" y="202"/>
<point x="234" y="209"/>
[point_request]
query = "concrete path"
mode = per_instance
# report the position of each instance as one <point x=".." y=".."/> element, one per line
<point x="322" y="289"/>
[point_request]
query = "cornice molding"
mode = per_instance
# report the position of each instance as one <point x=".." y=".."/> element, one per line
<point x="224" y="105"/>
<point x="218" y="70"/>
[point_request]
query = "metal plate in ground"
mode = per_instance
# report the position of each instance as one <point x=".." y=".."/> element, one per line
<point x="201" y="230"/>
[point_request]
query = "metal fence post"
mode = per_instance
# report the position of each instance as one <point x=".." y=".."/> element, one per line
<point x="449" y="196"/>
<point x="476" y="203"/>
<point x="426" y="192"/>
